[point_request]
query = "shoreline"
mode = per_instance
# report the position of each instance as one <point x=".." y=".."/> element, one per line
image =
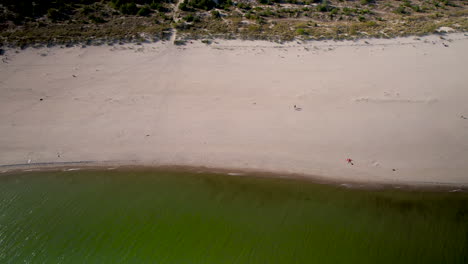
<point x="394" y="106"/>
<point x="134" y="166"/>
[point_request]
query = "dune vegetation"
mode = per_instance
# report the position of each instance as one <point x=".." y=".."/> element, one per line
<point x="48" y="22"/>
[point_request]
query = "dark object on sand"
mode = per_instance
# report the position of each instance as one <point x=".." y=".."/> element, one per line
<point x="297" y="108"/>
<point x="41" y="99"/>
<point x="463" y="117"/>
<point x="350" y="161"/>
<point x="2" y="51"/>
<point x="393" y="170"/>
<point x="74" y="76"/>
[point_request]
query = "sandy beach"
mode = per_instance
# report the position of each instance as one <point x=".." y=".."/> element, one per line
<point x="397" y="108"/>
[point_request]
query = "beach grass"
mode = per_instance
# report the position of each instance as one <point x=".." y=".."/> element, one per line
<point x="102" y="22"/>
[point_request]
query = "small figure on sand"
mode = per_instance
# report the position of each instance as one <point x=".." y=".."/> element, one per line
<point x="350" y="161"/>
<point x="297" y="108"/>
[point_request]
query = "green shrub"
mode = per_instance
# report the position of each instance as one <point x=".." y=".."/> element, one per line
<point x="86" y="10"/>
<point x="189" y="18"/>
<point x="371" y="24"/>
<point x="323" y="7"/>
<point x="202" y="4"/>
<point x="55" y="15"/>
<point x="184" y="6"/>
<point x="347" y="11"/>
<point x="155" y="5"/>
<point x="416" y="8"/>
<point x="244" y="6"/>
<point x="301" y="31"/>
<point x="180" y="42"/>
<point x="226" y="4"/>
<point x="96" y="19"/>
<point x="364" y="11"/>
<point x="129" y="9"/>
<point x="144" y="11"/>
<point x="215" y="14"/>
<point x="400" y="10"/>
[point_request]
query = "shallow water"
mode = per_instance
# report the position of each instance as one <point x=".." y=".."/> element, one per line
<point x="169" y="217"/>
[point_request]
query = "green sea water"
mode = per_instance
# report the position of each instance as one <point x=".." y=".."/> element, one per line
<point x="174" y="217"/>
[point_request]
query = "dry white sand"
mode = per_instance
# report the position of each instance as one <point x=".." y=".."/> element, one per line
<point x="397" y="107"/>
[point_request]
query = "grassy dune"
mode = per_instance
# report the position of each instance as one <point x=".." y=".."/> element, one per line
<point x="24" y="23"/>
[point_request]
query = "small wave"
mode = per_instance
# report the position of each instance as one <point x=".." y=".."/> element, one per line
<point x="235" y="174"/>
<point x="72" y="169"/>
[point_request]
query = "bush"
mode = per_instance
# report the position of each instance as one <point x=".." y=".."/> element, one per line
<point x="96" y="19"/>
<point x="184" y="7"/>
<point x="400" y="10"/>
<point x="371" y="24"/>
<point x="180" y="42"/>
<point x="301" y="31"/>
<point x="215" y="14"/>
<point x="203" y="4"/>
<point x="129" y="9"/>
<point x="365" y="2"/>
<point x="160" y="7"/>
<point x="144" y="11"/>
<point x="226" y="4"/>
<point x="416" y="8"/>
<point x="155" y="5"/>
<point x="55" y="15"/>
<point x="323" y="7"/>
<point x="86" y="10"/>
<point x="244" y="6"/>
<point x="347" y="11"/>
<point x="189" y="18"/>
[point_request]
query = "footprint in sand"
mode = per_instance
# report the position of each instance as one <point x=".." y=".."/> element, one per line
<point x="365" y="99"/>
